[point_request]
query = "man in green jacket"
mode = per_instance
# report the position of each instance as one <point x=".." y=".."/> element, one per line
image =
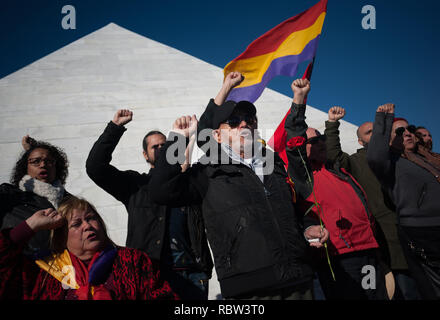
<point x="380" y="205"/>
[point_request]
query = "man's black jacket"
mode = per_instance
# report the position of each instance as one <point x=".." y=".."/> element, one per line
<point x="253" y="231"/>
<point x="146" y="220"/>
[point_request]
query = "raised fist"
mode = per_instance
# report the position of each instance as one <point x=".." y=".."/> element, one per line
<point x="27" y="142"/>
<point x="186" y="125"/>
<point x="122" y="117"/>
<point x="387" y="108"/>
<point x="47" y="219"/>
<point x="336" y="114"/>
<point x="300" y="88"/>
<point x="233" y="79"/>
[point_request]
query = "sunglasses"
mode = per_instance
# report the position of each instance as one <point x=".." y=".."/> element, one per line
<point x="36" y="161"/>
<point x="235" y="120"/>
<point x="316" y="139"/>
<point x="411" y="128"/>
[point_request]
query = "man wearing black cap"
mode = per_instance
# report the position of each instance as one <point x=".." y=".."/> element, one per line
<point x="247" y="203"/>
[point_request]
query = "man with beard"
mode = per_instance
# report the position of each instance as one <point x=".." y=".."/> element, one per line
<point x="253" y="229"/>
<point x="412" y="179"/>
<point x="172" y="236"/>
<point x="424" y="137"/>
<point x="379" y="203"/>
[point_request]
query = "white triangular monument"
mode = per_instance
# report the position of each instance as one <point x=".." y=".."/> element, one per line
<point x="68" y="97"/>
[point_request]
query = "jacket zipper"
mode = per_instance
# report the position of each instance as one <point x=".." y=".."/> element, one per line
<point x="422" y="196"/>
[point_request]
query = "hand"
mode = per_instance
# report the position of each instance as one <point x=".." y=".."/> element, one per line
<point x="233" y="79"/>
<point x="27" y="142"/>
<point x="316" y="232"/>
<point x="386" y="108"/>
<point x="336" y="114"/>
<point x="122" y="117"/>
<point x="45" y="220"/>
<point x="186" y="125"/>
<point x="300" y="88"/>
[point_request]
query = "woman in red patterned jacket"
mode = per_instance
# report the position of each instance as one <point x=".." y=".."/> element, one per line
<point x="84" y="264"/>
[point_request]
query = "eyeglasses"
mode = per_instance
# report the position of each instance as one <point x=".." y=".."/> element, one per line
<point x="411" y="128"/>
<point x="316" y="139"/>
<point x="235" y="120"/>
<point x="36" y="161"/>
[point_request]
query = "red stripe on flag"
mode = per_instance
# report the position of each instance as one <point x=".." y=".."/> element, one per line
<point x="277" y="35"/>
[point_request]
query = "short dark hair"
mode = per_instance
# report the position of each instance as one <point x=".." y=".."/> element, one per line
<point x="418" y="128"/>
<point x="61" y="164"/>
<point x="144" y="141"/>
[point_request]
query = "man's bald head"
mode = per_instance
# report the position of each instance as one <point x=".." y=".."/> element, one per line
<point x="364" y="133"/>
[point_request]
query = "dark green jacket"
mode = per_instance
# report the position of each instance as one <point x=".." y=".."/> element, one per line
<point x="380" y="205"/>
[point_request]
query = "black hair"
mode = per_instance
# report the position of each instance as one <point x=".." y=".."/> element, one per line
<point x="144" y="141"/>
<point x="61" y="164"/>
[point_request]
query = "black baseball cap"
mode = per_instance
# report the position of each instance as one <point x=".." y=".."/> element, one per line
<point x="223" y="112"/>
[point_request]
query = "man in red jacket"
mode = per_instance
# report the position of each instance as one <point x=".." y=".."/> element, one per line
<point x="336" y="199"/>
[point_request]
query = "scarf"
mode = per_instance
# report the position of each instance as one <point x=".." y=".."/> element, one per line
<point x="256" y="163"/>
<point x="52" y="192"/>
<point x="88" y="281"/>
<point x="425" y="159"/>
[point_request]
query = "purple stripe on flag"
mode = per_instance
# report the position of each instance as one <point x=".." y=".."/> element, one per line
<point x="285" y="66"/>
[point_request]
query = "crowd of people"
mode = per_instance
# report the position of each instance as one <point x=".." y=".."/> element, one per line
<point x="364" y="226"/>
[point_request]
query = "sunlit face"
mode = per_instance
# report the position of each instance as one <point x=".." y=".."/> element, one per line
<point x="406" y="141"/>
<point x="364" y="133"/>
<point x="316" y="148"/>
<point x="41" y="165"/>
<point x="154" y="143"/>
<point x="85" y="234"/>
<point x="426" y="137"/>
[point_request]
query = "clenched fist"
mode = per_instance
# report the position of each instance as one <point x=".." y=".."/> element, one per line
<point x="27" y="142"/>
<point x="233" y="79"/>
<point x="300" y="88"/>
<point x="185" y="125"/>
<point x="387" y="108"/>
<point x="122" y="117"/>
<point x="336" y="114"/>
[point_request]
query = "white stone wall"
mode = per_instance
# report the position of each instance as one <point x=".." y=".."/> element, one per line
<point x="68" y="97"/>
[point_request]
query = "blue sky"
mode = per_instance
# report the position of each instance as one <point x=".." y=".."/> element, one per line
<point x="355" y="68"/>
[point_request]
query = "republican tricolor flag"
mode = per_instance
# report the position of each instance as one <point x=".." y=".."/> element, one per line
<point x="277" y="52"/>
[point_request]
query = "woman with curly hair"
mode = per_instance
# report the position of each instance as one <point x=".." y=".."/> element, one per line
<point x="37" y="182"/>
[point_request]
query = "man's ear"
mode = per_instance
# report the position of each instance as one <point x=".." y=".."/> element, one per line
<point x="216" y="135"/>
<point x="144" y="153"/>
<point x="361" y="142"/>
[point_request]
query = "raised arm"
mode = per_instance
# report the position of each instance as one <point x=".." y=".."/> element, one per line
<point x="333" y="143"/>
<point x="379" y="156"/>
<point x="172" y="182"/>
<point x="296" y="127"/>
<point x="232" y="80"/>
<point x="117" y="183"/>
